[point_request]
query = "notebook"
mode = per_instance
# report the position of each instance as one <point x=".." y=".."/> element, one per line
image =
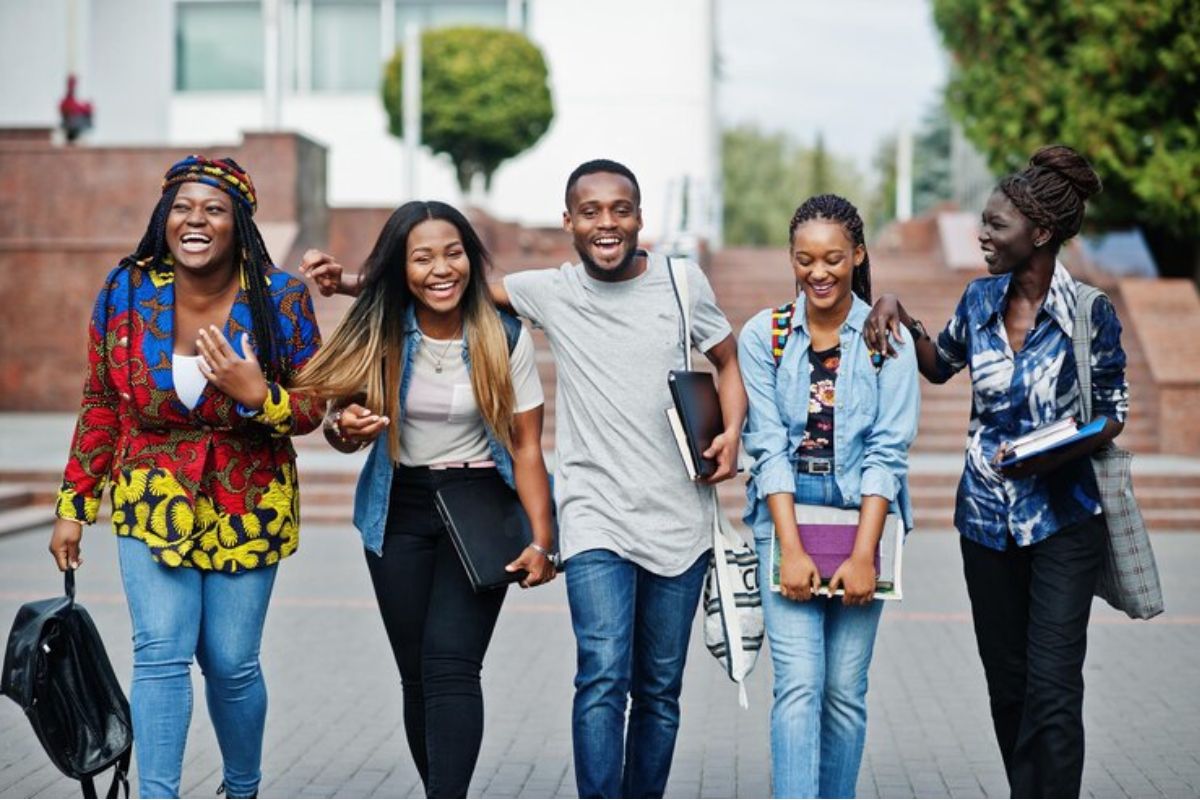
<point x="828" y="537"/>
<point x="489" y="529"/>
<point x="696" y="420"/>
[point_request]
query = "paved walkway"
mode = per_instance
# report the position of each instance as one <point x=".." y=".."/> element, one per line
<point x="334" y="727"/>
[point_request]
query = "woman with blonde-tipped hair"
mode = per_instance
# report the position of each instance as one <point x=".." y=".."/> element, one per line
<point x="446" y="387"/>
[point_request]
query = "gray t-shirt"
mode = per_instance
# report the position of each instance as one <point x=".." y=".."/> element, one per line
<point x="620" y="484"/>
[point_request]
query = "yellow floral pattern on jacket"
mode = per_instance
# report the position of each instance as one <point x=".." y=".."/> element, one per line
<point x="210" y="487"/>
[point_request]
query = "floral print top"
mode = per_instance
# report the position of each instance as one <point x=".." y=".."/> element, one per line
<point x="818" y="431"/>
<point x="212" y="487"/>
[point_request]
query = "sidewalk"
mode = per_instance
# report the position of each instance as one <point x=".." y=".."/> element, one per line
<point x="334" y="726"/>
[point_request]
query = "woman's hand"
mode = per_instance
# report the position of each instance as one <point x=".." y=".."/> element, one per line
<point x="239" y="377"/>
<point x="856" y="577"/>
<point x="540" y="569"/>
<point x="799" y="577"/>
<point x="883" y="320"/>
<point x="64" y="544"/>
<point x="329" y="276"/>
<point x="359" y="425"/>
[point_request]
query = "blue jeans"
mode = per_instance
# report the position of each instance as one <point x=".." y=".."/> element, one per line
<point x="218" y="618"/>
<point x="631" y="634"/>
<point x="820" y="652"/>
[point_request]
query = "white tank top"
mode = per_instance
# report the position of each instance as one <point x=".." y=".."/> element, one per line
<point x="189" y="381"/>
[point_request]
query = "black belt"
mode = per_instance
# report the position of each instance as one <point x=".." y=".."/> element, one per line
<point x="815" y="466"/>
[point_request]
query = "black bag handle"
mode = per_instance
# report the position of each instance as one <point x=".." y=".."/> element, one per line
<point x="69" y="584"/>
<point x="120" y="779"/>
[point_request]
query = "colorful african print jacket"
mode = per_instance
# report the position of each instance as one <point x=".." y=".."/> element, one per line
<point x="1014" y="393"/>
<point x="211" y="488"/>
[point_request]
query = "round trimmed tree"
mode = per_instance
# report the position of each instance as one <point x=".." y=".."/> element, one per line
<point x="485" y="97"/>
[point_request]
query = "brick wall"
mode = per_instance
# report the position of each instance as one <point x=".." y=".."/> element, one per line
<point x="68" y="214"/>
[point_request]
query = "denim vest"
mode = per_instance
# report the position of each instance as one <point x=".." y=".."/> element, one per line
<point x="875" y="414"/>
<point x="374" y="490"/>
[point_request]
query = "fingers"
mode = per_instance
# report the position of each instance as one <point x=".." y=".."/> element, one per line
<point x="358" y="423"/>
<point x="247" y="350"/>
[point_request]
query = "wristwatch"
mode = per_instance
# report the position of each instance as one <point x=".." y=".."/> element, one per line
<point x="553" y="558"/>
<point x="917" y="330"/>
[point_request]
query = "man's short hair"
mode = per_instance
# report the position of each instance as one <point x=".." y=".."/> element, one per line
<point x="602" y="165"/>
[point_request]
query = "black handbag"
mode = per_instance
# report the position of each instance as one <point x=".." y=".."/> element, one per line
<point x="56" y="669"/>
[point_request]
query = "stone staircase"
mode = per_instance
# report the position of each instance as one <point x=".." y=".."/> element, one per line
<point x="747" y="280"/>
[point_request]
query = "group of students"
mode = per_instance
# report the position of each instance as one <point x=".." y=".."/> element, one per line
<point x="204" y="359"/>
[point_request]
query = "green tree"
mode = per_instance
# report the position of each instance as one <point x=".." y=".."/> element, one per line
<point x="932" y="183"/>
<point x="485" y="97"/>
<point x="1116" y="79"/>
<point x="766" y="175"/>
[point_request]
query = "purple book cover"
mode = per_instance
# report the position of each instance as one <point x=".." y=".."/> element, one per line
<point x="829" y="544"/>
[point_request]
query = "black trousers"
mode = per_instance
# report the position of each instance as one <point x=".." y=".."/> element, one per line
<point x="1031" y="607"/>
<point x="438" y="627"/>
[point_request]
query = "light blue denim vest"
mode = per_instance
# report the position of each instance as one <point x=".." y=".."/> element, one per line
<point x="374" y="490"/>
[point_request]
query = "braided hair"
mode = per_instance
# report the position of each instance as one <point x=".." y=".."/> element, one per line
<point x="254" y="259"/>
<point x="1053" y="191"/>
<point x="838" y="209"/>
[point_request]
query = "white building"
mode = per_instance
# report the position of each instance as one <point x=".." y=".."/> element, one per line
<point x="632" y="80"/>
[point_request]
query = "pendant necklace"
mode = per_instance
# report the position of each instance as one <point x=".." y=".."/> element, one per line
<point x="440" y="357"/>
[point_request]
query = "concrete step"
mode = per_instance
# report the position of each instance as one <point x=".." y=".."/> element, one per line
<point x="16" y="520"/>
<point x="14" y="496"/>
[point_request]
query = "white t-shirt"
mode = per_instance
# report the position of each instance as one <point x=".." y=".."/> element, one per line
<point x="189" y="381"/>
<point x="442" y="423"/>
<point x="619" y="482"/>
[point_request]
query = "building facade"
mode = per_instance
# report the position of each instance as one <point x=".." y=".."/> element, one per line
<point x="631" y="80"/>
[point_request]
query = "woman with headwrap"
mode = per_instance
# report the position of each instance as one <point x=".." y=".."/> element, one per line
<point x="192" y="340"/>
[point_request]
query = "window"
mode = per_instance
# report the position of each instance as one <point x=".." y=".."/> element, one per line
<point x="446" y="13"/>
<point x="345" y="45"/>
<point x="218" y="46"/>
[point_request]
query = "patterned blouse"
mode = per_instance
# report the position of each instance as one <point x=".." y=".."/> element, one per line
<point x="822" y="394"/>
<point x="212" y="487"/>
<point x="1014" y="393"/>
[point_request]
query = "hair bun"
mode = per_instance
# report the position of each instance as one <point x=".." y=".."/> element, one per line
<point x="1069" y="164"/>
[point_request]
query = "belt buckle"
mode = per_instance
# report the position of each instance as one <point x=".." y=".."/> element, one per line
<point x="817" y="466"/>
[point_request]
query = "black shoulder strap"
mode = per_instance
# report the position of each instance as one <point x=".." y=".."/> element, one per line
<point x="120" y="778"/>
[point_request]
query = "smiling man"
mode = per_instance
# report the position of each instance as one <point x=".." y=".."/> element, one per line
<point x="634" y="531"/>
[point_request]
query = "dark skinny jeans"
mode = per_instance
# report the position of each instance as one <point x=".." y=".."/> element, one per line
<point x="438" y="627"/>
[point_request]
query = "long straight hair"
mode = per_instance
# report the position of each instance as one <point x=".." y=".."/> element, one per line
<point x="362" y="359"/>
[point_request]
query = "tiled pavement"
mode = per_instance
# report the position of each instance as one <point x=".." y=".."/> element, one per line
<point x="334" y="726"/>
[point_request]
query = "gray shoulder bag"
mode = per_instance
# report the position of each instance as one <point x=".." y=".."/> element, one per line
<point x="1128" y="580"/>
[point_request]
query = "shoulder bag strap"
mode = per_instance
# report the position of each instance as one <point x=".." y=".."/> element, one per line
<point x="679" y="284"/>
<point x="781" y="329"/>
<point x="1081" y="341"/>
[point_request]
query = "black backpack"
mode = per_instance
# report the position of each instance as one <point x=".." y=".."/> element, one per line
<point x="56" y="669"/>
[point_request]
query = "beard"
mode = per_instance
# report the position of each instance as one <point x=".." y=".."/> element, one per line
<point x="593" y="267"/>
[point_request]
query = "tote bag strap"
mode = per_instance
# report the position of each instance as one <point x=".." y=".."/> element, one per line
<point x="1081" y="341"/>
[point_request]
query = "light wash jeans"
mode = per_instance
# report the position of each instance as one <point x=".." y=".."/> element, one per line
<point x="820" y="652"/>
<point x="631" y="634"/>
<point x="179" y="613"/>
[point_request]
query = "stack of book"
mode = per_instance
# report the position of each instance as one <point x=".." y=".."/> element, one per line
<point x="1054" y="436"/>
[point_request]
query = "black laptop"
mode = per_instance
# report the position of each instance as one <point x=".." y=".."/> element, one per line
<point x="489" y="528"/>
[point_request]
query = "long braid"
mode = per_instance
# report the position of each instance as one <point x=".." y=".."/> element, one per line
<point x="840" y="210"/>
<point x="256" y="265"/>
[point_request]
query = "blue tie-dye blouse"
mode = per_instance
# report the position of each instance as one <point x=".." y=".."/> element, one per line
<point x="1013" y="393"/>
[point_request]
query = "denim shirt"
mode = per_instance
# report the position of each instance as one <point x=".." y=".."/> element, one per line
<point x="1014" y="393"/>
<point x="875" y="415"/>
<point x="374" y="490"/>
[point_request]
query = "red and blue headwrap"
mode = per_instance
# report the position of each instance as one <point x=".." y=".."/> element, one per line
<point x="223" y="173"/>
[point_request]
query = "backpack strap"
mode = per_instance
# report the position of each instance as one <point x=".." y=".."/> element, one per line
<point x="512" y="328"/>
<point x="679" y="286"/>
<point x="781" y="329"/>
<point x="1081" y="342"/>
